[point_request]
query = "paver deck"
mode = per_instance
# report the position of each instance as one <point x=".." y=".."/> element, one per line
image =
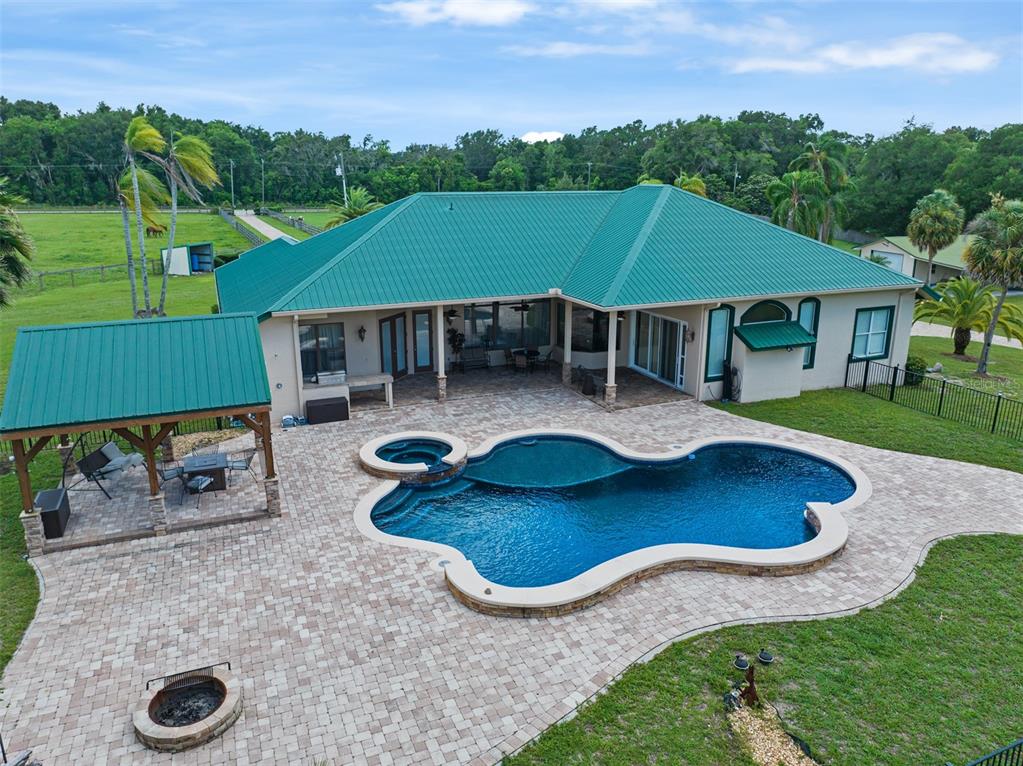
<point x="354" y="652"/>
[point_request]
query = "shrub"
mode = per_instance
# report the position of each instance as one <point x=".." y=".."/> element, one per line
<point x="916" y="367"/>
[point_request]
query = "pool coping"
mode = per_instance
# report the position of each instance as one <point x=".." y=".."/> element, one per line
<point x="606" y="578"/>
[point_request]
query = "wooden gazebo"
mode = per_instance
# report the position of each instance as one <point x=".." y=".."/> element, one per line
<point x="137" y="379"/>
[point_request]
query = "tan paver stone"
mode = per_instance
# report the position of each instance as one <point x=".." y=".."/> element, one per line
<point x="354" y="651"/>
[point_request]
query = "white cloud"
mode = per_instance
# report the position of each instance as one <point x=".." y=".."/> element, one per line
<point x="564" y="49"/>
<point x="934" y="53"/>
<point x="535" y="136"/>
<point x="492" y="13"/>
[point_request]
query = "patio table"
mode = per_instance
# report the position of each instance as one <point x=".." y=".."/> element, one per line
<point x="214" y="466"/>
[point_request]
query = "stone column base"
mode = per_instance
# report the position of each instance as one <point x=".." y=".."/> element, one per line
<point x="273" y="496"/>
<point x="158" y="514"/>
<point x="67" y="460"/>
<point x="442" y="388"/>
<point x="167" y="445"/>
<point x="610" y="394"/>
<point x="33" y="524"/>
<point x="566" y="374"/>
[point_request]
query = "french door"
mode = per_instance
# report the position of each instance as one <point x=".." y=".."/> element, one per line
<point x="422" y="340"/>
<point x="659" y="348"/>
<point x="392" y="346"/>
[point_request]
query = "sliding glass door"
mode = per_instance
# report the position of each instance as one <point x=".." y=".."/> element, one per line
<point x="659" y="348"/>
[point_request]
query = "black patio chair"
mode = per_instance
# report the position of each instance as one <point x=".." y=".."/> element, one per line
<point x="241" y="461"/>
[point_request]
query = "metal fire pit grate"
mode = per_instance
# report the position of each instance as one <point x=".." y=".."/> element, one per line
<point x="187" y="677"/>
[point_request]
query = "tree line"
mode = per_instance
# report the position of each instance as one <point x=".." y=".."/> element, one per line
<point x="77" y="159"/>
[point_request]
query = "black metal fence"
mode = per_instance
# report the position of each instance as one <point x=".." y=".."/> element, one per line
<point x="292" y="221"/>
<point x="994" y="413"/>
<point x="1010" y="755"/>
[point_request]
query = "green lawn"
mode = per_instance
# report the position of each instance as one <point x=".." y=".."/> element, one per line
<point x="315" y="218"/>
<point x="17" y="579"/>
<point x="96" y="302"/>
<point x="291" y="231"/>
<point x="849" y="247"/>
<point x="923" y="679"/>
<point x="72" y="240"/>
<point x="1005" y="365"/>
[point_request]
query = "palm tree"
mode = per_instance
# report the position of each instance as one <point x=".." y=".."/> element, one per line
<point x="152" y="194"/>
<point x="934" y="224"/>
<point x="967" y="305"/>
<point x="141" y="137"/>
<point x="995" y="255"/>
<point x="827" y="158"/>
<point x="360" y="202"/>
<point x="797" y="200"/>
<point x="691" y="183"/>
<point x="646" y="179"/>
<point x="16" y="246"/>
<point x="188" y="164"/>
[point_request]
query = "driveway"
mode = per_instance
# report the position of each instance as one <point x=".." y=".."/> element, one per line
<point x="353" y="651"/>
<point x="941" y="331"/>
<point x="257" y="223"/>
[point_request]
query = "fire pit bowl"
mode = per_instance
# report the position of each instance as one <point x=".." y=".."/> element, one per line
<point x="188" y="709"/>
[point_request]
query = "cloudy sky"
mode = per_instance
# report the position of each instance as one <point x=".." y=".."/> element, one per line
<point x="426" y="70"/>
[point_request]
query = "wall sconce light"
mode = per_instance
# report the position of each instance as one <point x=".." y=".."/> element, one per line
<point x="362" y="333"/>
<point x="690" y="336"/>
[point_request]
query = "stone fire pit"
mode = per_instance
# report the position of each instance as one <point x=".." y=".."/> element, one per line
<point x="188" y="710"/>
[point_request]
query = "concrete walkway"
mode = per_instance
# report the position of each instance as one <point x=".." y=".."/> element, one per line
<point x="941" y="331"/>
<point x="354" y="652"/>
<point x="254" y="221"/>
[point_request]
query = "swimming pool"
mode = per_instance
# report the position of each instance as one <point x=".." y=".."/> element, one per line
<point x="429" y="451"/>
<point x="553" y="518"/>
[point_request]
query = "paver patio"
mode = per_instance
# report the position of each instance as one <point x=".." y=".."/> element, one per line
<point x="354" y="652"/>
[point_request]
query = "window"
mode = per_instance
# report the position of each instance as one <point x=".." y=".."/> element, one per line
<point x="872" y="333"/>
<point x="322" y="349"/>
<point x="766" y="311"/>
<point x="719" y="341"/>
<point x="809" y="317"/>
<point x="508" y="325"/>
<point x="589" y="329"/>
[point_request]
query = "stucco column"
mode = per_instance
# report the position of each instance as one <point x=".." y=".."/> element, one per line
<point x="566" y="346"/>
<point x="610" y="388"/>
<point x="442" y="378"/>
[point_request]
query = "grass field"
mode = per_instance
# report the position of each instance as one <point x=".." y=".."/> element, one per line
<point x="922" y="679"/>
<point x="315" y="218"/>
<point x="72" y="240"/>
<point x="1005" y="365"/>
<point x="849" y="247"/>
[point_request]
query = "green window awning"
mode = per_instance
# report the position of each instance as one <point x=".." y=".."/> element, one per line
<point x="926" y="291"/>
<point x="765" y="336"/>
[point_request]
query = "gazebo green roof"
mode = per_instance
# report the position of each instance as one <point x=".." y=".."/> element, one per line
<point x="106" y="372"/>
<point x="643" y="246"/>
<point x="767" y="336"/>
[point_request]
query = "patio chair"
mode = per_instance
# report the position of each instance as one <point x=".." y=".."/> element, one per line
<point x="209" y="449"/>
<point x="521" y="362"/>
<point x="241" y="461"/>
<point x="197" y="485"/>
<point x="545" y="360"/>
<point x="169" y="471"/>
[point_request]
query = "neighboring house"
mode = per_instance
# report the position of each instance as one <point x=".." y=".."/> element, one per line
<point x="689" y="289"/>
<point x="903" y="256"/>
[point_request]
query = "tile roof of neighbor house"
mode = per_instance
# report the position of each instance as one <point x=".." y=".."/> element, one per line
<point x="765" y="336"/>
<point x="951" y="256"/>
<point x="67" y="375"/>
<point x="646" y="245"/>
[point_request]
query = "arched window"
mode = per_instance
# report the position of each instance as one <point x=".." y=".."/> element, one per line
<point x="809" y="316"/>
<point x="766" y="311"/>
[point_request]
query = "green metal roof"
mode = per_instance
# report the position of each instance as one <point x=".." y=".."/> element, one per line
<point x="646" y="245"/>
<point x="766" y="336"/>
<point x="929" y="292"/>
<point x="75" y="374"/>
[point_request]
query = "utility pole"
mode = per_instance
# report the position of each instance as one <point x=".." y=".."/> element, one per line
<point x="262" y="181"/>
<point x="232" y="183"/>
<point x="589" y="165"/>
<point x="339" y="170"/>
<point x="735" y="176"/>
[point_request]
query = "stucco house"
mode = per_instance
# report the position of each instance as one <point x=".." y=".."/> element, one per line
<point x="652" y="278"/>
<point x="905" y="257"/>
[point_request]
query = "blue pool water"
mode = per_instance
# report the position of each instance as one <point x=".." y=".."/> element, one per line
<point x="543" y="510"/>
<point x="429" y="451"/>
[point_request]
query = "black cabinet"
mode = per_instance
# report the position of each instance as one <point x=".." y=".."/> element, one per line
<point x="326" y="410"/>
<point x="55" y="510"/>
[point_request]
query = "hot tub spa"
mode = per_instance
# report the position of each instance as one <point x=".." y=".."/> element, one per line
<point x="541" y="523"/>
<point x="414" y="457"/>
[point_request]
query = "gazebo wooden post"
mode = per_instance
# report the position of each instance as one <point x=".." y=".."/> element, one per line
<point x="157" y="508"/>
<point x="31" y="520"/>
<point x="271" y="485"/>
